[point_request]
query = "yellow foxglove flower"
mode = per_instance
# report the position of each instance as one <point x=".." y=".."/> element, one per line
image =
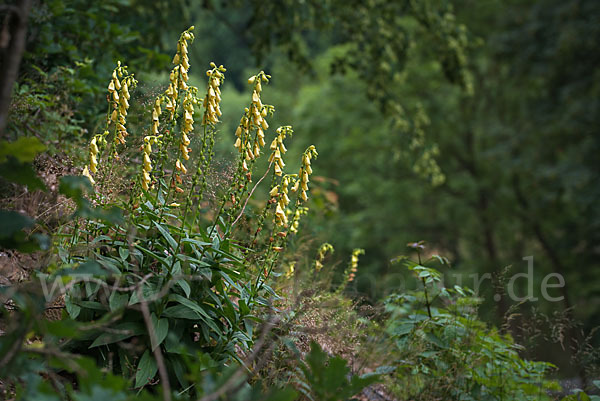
<point x="185" y="152"/>
<point x="188" y="116"/>
<point x="125" y="91"/>
<point x="93" y="164"/>
<point x="280" y="213"/>
<point x="93" y="146"/>
<point x="185" y="140"/>
<point x="87" y="174"/>
<point x="147" y="162"/>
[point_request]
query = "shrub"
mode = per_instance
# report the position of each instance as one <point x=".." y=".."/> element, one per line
<point x="443" y="351"/>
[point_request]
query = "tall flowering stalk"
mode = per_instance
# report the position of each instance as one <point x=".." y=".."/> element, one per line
<point x="212" y="112"/>
<point x="321" y="253"/>
<point x="350" y="273"/>
<point x="119" y="91"/>
<point x="254" y="118"/>
<point x="213" y="95"/>
<point x="250" y="138"/>
<point x="178" y="94"/>
<point x="118" y="105"/>
<point x="280" y="197"/>
<point x="305" y="172"/>
<point x="301" y="186"/>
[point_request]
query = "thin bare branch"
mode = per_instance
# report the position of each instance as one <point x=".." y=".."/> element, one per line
<point x="250" y="195"/>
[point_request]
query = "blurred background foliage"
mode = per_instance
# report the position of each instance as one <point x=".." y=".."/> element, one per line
<point x="470" y="124"/>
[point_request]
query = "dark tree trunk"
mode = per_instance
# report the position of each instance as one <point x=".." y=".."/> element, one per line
<point x="12" y="44"/>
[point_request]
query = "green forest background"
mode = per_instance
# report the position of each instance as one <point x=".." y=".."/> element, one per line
<point x="469" y="124"/>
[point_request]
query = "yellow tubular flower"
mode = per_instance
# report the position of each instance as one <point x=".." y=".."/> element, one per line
<point x="184" y="152"/>
<point x="125" y="90"/>
<point x="94" y="146"/>
<point x="147" y="162"/>
<point x="280" y="216"/>
<point x="256" y="149"/>
<point x="93" y="155"/>
<point x="93" y="164"/>
<point x="87" y="174"/>
<point x="185" y="140"/>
